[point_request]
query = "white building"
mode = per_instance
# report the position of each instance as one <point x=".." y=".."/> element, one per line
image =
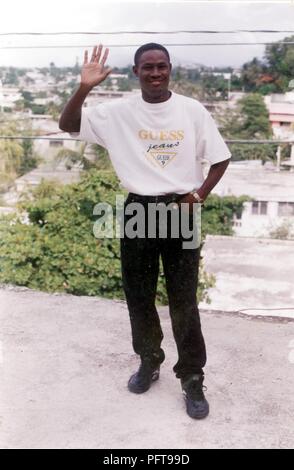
<point x="44" y="125"/>
<point x="8" y="96"/>
<point x="281" y="114"/>
<point x="226" y="75"/>
<point x="100" y="94"/>
<point x="272" y="191"/>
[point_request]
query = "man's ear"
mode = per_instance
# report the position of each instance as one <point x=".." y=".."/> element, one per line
<point x="170" y="66"/>
<point x="135" y="70"/>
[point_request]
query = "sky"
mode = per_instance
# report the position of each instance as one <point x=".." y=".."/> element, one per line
<point x="108" y="16"/>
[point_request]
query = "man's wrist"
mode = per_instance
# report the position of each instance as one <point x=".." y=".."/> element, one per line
<point x="83" y="87"/>
<point x="197" y="196"/>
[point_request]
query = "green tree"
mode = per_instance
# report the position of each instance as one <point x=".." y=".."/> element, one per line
<point x="218" y="214"/>
<point x="251" y="73"/>
<point x="250" y="120"/>
<point x="255" y="122"/>
<point x="274" y="72"/>
<point x="29" y="159"/>
<point x="10" y="159"/>
<point x="16" y="156"/>
<point x="214" y="88"/>
<point x="27" y="96"/>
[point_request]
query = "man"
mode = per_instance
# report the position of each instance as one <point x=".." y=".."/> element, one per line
<point x="156" y="141"/>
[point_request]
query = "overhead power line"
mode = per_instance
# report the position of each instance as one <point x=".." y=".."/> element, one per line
<point x="138" y="45"/>
<point x="228" y="141"/>
<point x="21" y="137"/>
<point x="194" y="31"/>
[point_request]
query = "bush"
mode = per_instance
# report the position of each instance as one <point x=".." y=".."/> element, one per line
<point x="56" y="250"/>
<point x="217" y="216"/>
<point x="285" y="231"/>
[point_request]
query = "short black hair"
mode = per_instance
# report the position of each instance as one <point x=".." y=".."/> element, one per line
<point x="148" y="47"/>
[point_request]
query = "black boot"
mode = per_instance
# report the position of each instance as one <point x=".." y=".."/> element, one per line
<point x="196" y="403"/>
<point x="141" y="381"/>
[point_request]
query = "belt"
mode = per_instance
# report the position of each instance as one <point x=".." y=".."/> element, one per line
<point x="170" y="197"/>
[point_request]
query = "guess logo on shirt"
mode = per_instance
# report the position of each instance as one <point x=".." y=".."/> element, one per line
<point x="160" y="153"/>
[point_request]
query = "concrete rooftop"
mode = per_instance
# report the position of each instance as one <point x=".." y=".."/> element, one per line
<point x="265" y="184"/>
<point x="251" y="273"/>
<point x="65" y="362"/>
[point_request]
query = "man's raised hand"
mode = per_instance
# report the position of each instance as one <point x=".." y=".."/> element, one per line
<point x="94" y="72"/>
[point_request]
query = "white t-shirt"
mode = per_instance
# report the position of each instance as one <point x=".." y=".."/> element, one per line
<point x="155" y="148"/>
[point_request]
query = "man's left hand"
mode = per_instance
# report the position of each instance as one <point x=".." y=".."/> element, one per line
<point x="188" y="199"/>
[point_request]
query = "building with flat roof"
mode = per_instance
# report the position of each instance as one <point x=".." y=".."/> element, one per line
<point x="281" y="114"/>
<point x="272" y="192"/>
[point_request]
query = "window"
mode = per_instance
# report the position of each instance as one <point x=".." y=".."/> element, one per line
<point x="56" y="143"/>
<point x="263" y="208"/>
<point x="255" y="207"/>
<point x="237" y="223"/>
<point x="259" y="208"/>
<point x="286" y="208"/>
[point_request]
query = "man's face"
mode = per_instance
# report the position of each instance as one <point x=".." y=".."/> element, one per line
<point x="153" y="71"/>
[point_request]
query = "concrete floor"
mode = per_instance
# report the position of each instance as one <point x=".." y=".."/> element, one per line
<point x="251" y="273"/>
<point x="65" y="362"/>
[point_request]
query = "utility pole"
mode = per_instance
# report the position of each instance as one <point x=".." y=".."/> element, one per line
<point x="278" y="154"/>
